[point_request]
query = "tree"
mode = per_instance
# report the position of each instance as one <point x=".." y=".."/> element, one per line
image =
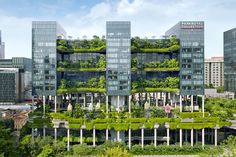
<point x="46" y="152"/>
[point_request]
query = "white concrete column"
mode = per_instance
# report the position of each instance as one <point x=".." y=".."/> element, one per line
<point x="203" y="137"/>
<point x="155" y="137"/>
<point x="142" y="136"/>
<point x="180" y="103"/>
<point x="84" y="100"/>
<point x="203" y="105"/>
<point x="55" y="104"/>
<point x="118" y="103"/>
<point x="149" y="98"/>
<point x="167" y="133"/>
<point x="44" y="101"/>
<point x="94" y="136"/>
<point x="156" y="99"/>
<point x="192" y="137"/>
<point x="55" y="134"/>
<point x="107" y="134"/>
<point x="107" y="105"/>
<point x="164" y="99"/>
<point x="68" y="139"/>
<point x="92" y="98"/>
<point x="130" y="96"/>
<point x="129" y="138"/>
<point x="118" y="135"/>
<point x="180" y="138"/>
<point x="32" y="132"/>
<point x="216" y="136"/>
<point x="191" y="103"/>
<point x="81" y="136"/>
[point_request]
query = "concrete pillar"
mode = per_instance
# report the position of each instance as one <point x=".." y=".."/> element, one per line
<point x="149" y="98"/>
<point x="191" y="103"/>
<point x="216" y="136"/>
<point x="130" y="104"/>
<point x="68" y="139"/>
<point x="142" y="136"/>
<point x="192" y="137"/>
<point x="203" y="105"/>
<point x="81" y="136"/>
<point x="180" y="103"/>
<point x="94" y="136"/>
<point x="32" y="100"/>
<point x="118" y="135"/>
<point x="156" y="99"/>
<point x="167" y="133"/>
<point x="107" y="105"/>
<point x="186" y="136"/>
<point x="84" y="100"/>
<point x="180" y="137"/>
<point x="203" y="137"/>
<point x="55" y="104"/>
<point x="92" y="98"/>
<point x="44" y="101"/>
<point x="155" y="137"/>
<point x="106" y="133"/>
<point x="32" y="132"/>
<point x="118" y="103"/>
<point x="55" y="134"/>
<point x="129" y="138"/>
<point x="164" y="100"/>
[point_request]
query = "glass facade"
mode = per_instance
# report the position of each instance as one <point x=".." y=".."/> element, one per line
<point x="118" y="57"/>
<point x="44" y="56"/>
<point x="191" y="35"/>
<point x="230" y="60"/>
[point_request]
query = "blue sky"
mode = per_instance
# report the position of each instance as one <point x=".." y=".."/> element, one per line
<point x="87" y="17"/>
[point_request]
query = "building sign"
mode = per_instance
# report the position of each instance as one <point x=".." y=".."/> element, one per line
<point x="192" y="25"/>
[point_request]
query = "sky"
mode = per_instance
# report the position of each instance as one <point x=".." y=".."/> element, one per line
<point x="148" y="18"/>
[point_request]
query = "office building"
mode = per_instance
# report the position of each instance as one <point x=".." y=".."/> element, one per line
<point x="16" y="72"/>
<point x="44" y="56"/>
<point x="2" y="47"/>
<point x="230" y="60"/>
<point x="214" y="72"/>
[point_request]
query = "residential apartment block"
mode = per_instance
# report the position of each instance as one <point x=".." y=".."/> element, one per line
<point x="214" y="71"/>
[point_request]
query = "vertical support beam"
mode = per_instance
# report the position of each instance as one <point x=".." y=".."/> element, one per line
<point x="32" y="100"/>
<point x="118" y="135"/>
<point x="168" y="136"/>
<point x="84" y="100"/>
<point x="107" y="134"/>
<point x="192" y="137"/>
<point x="164" y="99"/>
<point x="32" y="133"/>
<point x="203" y="137"/>
<point x="186" y="135"/>
<point x="94" y="137"/>
<point x="156" y="99"/>
<point x="44" y="131"/>
<point x="107" y="105"/>
<point x="191" y="103"/>
<point x="180" y="103"/>
<point x="92" y="98"/>
<point x="129" y="138"/>
<point x="118" y="105"/>
<point x="216" y="136"/>
<point x="68" y="139"/>
<point x="55" y="134"/>
<point x="81" y="136"/>
<point x="155" y="136"/>
<point x="180" y="137"/>
<point x="142" y="136"/>
<point x="203" y="105"/>
<point x="44" y="101"/>
<point x="55" y="104"/>
<point x="130" y="96"/>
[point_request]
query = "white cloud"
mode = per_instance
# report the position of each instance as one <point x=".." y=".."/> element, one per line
<point x="148" y="18"/>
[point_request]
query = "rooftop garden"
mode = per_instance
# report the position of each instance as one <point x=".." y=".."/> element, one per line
<point x="169" y="84"/>
<point x="81" y="65"/>
<point x="166" y="65"/>
<point x="92" y="85"/>
<point x="137" y="44"/>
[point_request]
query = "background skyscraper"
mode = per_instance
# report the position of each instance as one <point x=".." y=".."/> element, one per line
<point x="2" y="47"/>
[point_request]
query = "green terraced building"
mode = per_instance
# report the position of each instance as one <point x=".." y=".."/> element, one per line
<point x="120" y="73"/>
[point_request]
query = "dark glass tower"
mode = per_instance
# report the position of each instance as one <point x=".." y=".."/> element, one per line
<point x="230" y="60"/>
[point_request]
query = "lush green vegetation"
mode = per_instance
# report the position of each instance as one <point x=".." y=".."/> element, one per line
<point x="92" y="85"/>
<point x="89" y="65"/>
<point x="162" y="46"/>
<point x="166" y="65"/>
<point x="93" y="45"/>
<point x="137" y="44"/>
<point x="221" y="107"/>
<point x="170" y="84"/>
